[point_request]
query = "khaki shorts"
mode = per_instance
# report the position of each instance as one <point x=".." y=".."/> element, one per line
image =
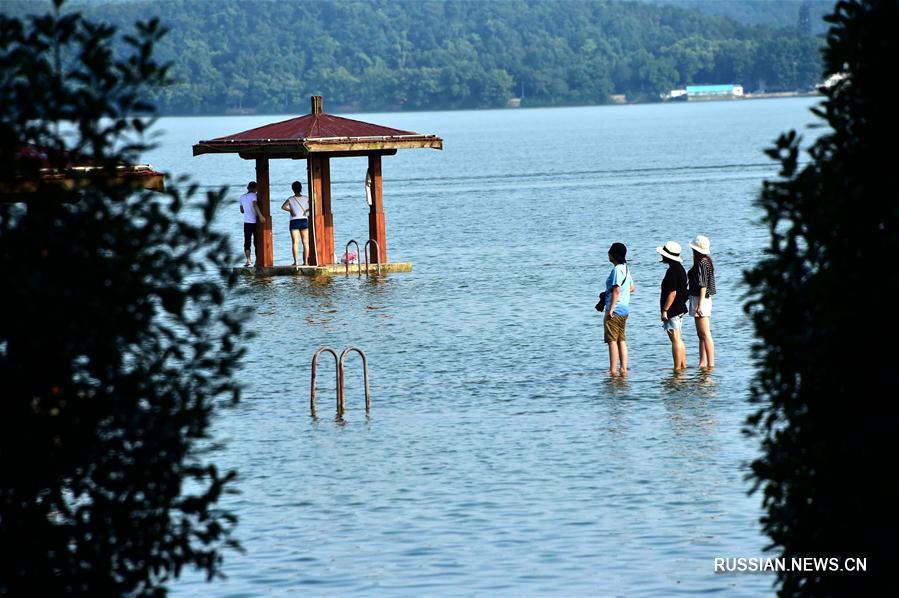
<point x="613" y="328"/>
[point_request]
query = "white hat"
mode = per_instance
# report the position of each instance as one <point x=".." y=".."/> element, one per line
<point x="701" y="244"/>
<point x="671" y="250"/>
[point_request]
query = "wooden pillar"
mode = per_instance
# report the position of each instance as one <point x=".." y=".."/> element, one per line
<point x="265" y="249"/>
<point x="377" y="226"/>
<point x="322" y="251"/>
<point x="327" y="215"/>
<point x="317" y="253"/>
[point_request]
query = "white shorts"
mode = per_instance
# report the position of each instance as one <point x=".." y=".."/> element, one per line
<point x="706" y="306"/>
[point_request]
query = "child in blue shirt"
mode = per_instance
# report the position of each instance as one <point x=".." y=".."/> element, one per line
<point x="619" y="286"/>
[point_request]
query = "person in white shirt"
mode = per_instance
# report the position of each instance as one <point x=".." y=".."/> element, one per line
<point x="298" y="207"/>
<point x="251" y="215"/>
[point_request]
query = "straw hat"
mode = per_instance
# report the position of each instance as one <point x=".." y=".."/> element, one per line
<point x="671" y="250"/>
<point x="701" y="244"/>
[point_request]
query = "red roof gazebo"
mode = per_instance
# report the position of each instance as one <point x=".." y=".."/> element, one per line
<point x="317" y="137"/>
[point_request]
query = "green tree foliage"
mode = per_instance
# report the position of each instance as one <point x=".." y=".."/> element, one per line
<point x="773" y="13"/>
<point x="266" y="56"/>
<point x="115" y="345"/>
<point x="827" y="376"/>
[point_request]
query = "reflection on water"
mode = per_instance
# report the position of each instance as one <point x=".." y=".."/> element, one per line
<point x="675" y="382"/>
<point x="706" y="381"/>
<point x="499" y="457"/>
<point x="699" y="381"/>
<point x="688" y="407"/>
<point x="617" y="387"/>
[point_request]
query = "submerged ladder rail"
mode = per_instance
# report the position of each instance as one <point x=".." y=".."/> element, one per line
<point x="338" y="380"/>
<point x="377" y="252"/>
<point x="343" y="356"/>
<point x="346" y="254"/>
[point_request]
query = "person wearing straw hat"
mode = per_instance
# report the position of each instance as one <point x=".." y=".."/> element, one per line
<point x="701" y="279"/>
<point x="673" y="301"/>
<point x="619" y="286"/>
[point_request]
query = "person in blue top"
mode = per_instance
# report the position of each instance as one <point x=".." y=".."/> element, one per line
<point x="619" y="286"/>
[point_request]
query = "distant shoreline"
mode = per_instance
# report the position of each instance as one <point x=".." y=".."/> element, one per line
<point x="346" y="110"/>
<point x="782" y="94"/>
<point x="769" y="96"/>
<point x="747" y="96"/>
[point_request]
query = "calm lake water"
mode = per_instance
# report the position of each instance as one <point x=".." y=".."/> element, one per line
<point x="498" y="457"/>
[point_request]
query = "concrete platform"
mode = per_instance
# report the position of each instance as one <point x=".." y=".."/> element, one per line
<point x="328" y="270"/>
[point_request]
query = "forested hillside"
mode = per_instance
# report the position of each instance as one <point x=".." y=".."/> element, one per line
<point x="269" y="56"/>
<point x="773" y="13"/>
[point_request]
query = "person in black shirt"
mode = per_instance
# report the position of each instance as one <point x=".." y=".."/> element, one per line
<point x="673" y="301"/>
<point x="701" y="289"/>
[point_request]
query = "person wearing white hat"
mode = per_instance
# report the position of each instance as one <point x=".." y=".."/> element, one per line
<point x="701" y="278"/>
<point x="673" y="301"/>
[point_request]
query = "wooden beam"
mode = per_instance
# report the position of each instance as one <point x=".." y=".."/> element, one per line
<point x="271" y="154"/>
<point x="377" y="224"/>
<point x="251" y="151"/>
<point x="302" y="154"/>
<point x="247" y="151"/>
<point x="265" y="249"/>
<point x="354" y="146"/>
<point x="359" y="154"/>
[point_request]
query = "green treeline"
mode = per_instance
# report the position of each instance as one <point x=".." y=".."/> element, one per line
<point x="368" y="55"/>
<point x="774" y="13"/>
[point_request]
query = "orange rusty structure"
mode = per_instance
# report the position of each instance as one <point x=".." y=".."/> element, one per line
<point x="317" y="137"/>
<point x="69" y="170"/>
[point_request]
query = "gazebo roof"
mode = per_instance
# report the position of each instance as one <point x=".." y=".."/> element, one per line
<point x="316" y="133"/>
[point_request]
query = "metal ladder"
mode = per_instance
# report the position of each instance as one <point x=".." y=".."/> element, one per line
<point x="377" y="252"/>
<point x="346" y="253"/>
<point x="339" y="377"/>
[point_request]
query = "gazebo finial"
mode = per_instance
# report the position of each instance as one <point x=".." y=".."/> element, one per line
<point x="316" y="104"/>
